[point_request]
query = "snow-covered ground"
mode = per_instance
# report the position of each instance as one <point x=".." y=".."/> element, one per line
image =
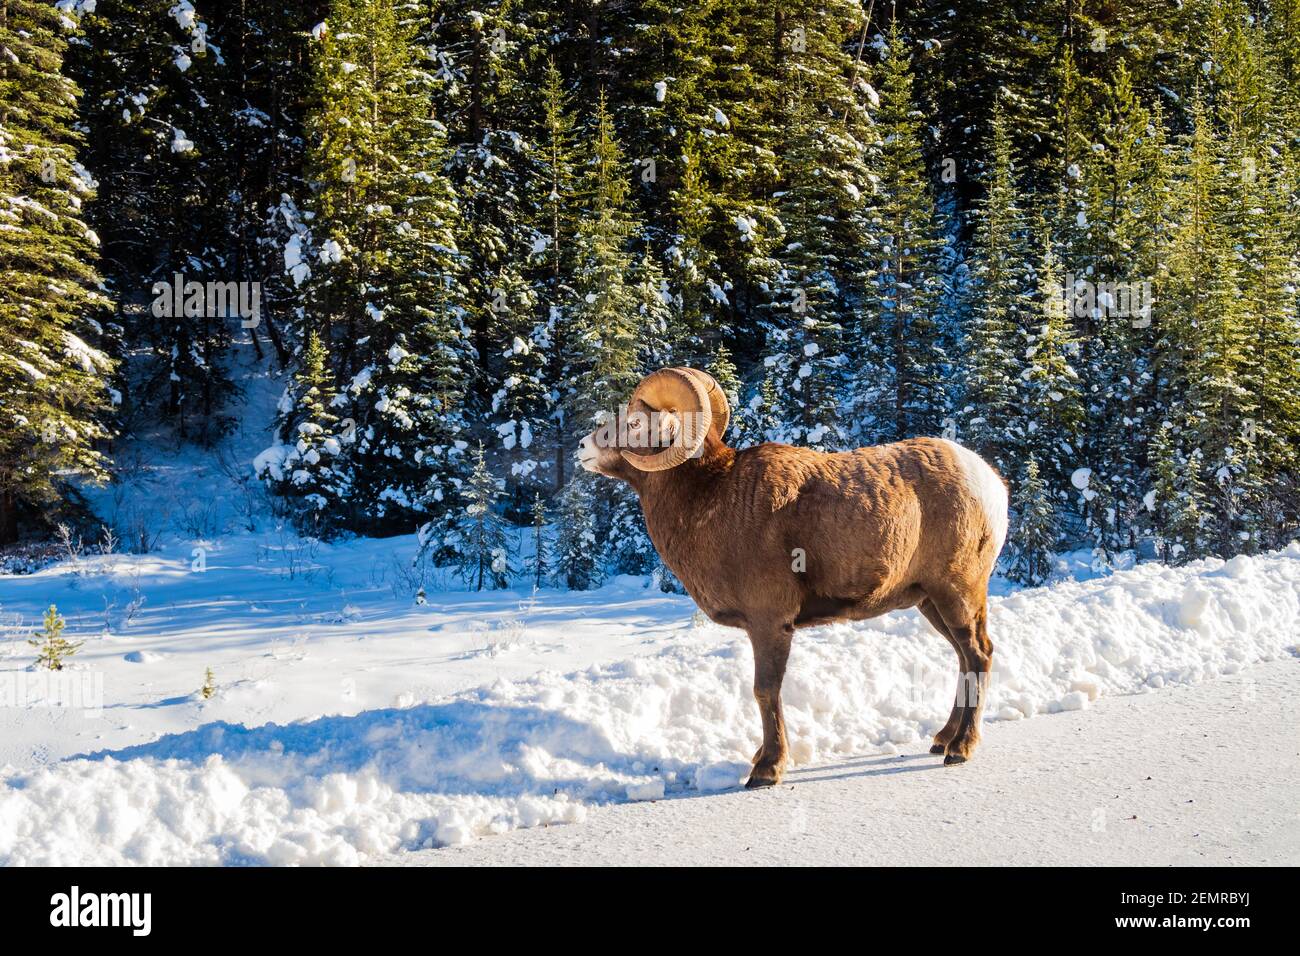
<point x="349" y="721"/>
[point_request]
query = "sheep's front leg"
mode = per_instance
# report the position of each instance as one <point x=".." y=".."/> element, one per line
<point x="771" y="651"/>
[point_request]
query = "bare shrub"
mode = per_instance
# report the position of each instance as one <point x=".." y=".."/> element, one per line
<point x="418" y="574"/>
<point x="198" y="518"/>
<point x="250" y="497"/>
<point x="71" y="546"/>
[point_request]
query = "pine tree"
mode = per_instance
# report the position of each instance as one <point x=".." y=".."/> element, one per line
<point x="521" y="407"/>
<point x="1002" y="279"/>
<point x="701" y="296"/>
<point x="602" y="361"/>
<point x="1064" y="172"/>
<point x="1283" y="26"/>
<point x="483" y="82"/>
<point x="1176" y="500"/>
<point x="1257" y="202"/>
<point x="757" y="419"/>
<point x="1125" y="183"/>
<point x="541" y="563"/>
<point x="804" y="323"/>
<point x="489" y="221"/>
<point x="696" y="101"/>
<point x="977" y="57"/>
<point x="53" y="648"/>
<point x="153" y="101"/>
<point x="723" y="370"/>
<point x="384" y="291"/>
<point x="577" y="552"/>
<point x="1033" y="536"/>
<point x="819" y="259"/>
<point x="555" y="205"/>
<point x="1269" y="435"/>
<point x="657" y="327"/>
<point x="1207" y="348"/>
<point x="305" y="470"/>
<point x="260" y="99"/>
<point x="1050" y="420"/>
<point x="904" y="295"/>
<point x="628" y="549"/>
<point x="478" y="538"/>
<point x="55" y="396"/>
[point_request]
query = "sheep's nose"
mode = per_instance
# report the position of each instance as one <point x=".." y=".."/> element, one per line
<point x="588" y="453"/>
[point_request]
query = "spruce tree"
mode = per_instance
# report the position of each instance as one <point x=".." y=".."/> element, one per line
<point x="1002" y="279"/>
<point x="1207" y="345"/>
<point x="905" y="392"/>
<point x="478" y="537"/>
<point x="1050" y="422"/>
<point x="53" y="649"/>
<point x="384" y="291"/>
<point x="556" y="208"/>
<point x="804" y="322"/>
<point x="305" y="470"/>
<point x="55" y="395"/>
<point x="1033" y="534"/>
<point x="541" y="561"/>
<point x="577" y="551"/>
<point x="154" y="104"/>
<point x="602" y="362"/>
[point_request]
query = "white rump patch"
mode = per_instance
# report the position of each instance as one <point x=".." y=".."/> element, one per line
<point x="988" y="489"/>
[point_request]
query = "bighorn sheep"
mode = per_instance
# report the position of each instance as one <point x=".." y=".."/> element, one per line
<point x="774" y="537"/>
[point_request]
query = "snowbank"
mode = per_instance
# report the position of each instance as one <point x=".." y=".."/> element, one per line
<point x="333" y="790"/>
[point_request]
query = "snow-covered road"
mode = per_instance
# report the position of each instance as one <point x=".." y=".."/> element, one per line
<point x="1196" y="775"/>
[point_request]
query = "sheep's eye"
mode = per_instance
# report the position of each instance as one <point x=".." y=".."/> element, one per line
<point x="636" y="428"/>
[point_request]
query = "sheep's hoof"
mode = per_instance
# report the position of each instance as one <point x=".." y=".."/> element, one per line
<point x="939" y="748"/>
<point x="953" y="759"/>
<point x="763" y="777"/>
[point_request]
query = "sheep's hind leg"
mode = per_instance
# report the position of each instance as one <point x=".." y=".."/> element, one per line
<point x="969" y="627"/>
<point x="941" y="739"/>
<point x="771" y="651"/>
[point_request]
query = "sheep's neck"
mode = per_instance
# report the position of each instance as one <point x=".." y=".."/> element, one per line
<point x="677" y="503"/>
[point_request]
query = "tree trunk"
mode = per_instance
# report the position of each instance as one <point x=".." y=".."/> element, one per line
<point x="8" y="518"/>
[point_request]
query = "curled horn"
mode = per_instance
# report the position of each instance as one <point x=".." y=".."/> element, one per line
<point x="681" y="391"/>
<point x="718" y="403"/>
